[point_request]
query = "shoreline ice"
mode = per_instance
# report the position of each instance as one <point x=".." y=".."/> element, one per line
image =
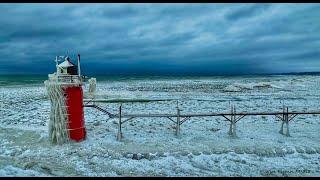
<point x="204" y="148"/>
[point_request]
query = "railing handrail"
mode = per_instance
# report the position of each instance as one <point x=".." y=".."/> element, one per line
<point x="66" y="75"/>
<point x="67" y="78"/>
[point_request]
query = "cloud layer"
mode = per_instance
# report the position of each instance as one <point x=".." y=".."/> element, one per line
<point x="161" y="38"/>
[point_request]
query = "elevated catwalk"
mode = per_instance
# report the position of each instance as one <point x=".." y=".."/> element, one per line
<point x="285" y="116"/>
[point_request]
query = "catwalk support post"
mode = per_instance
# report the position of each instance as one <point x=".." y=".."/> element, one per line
<point x="119" y="135"/>
<point x="285" y="120"/>
<point x="232" y="128"/>
<point x="178" y="122"/>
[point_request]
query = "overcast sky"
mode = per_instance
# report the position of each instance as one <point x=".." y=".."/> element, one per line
<point x="161" y="38"/>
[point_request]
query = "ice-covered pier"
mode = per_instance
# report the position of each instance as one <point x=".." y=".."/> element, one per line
<point x="285" y="116"/>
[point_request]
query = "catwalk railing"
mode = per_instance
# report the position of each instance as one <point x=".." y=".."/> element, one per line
<point x="66" y="78"/>
<point x="285" y="116"/>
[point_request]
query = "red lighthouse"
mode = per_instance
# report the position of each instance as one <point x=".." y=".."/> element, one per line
<point x="69" y="81"/>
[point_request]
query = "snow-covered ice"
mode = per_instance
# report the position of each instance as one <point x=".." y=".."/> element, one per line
<point x="150" y="147"/>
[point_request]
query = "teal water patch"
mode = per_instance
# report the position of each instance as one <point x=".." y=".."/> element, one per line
<point x="11" y="80"/>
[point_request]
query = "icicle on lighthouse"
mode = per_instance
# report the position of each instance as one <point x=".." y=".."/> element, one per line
<point x="66" y="97"/>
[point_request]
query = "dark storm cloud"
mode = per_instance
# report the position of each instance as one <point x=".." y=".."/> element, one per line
<point x="161" y="38"/>
<point x="246" y="12"/>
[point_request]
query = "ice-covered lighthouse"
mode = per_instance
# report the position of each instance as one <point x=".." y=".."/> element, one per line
<point x="66" y="97"/>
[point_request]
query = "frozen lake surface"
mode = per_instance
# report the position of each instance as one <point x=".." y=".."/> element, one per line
<point x="150" y="147"/>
